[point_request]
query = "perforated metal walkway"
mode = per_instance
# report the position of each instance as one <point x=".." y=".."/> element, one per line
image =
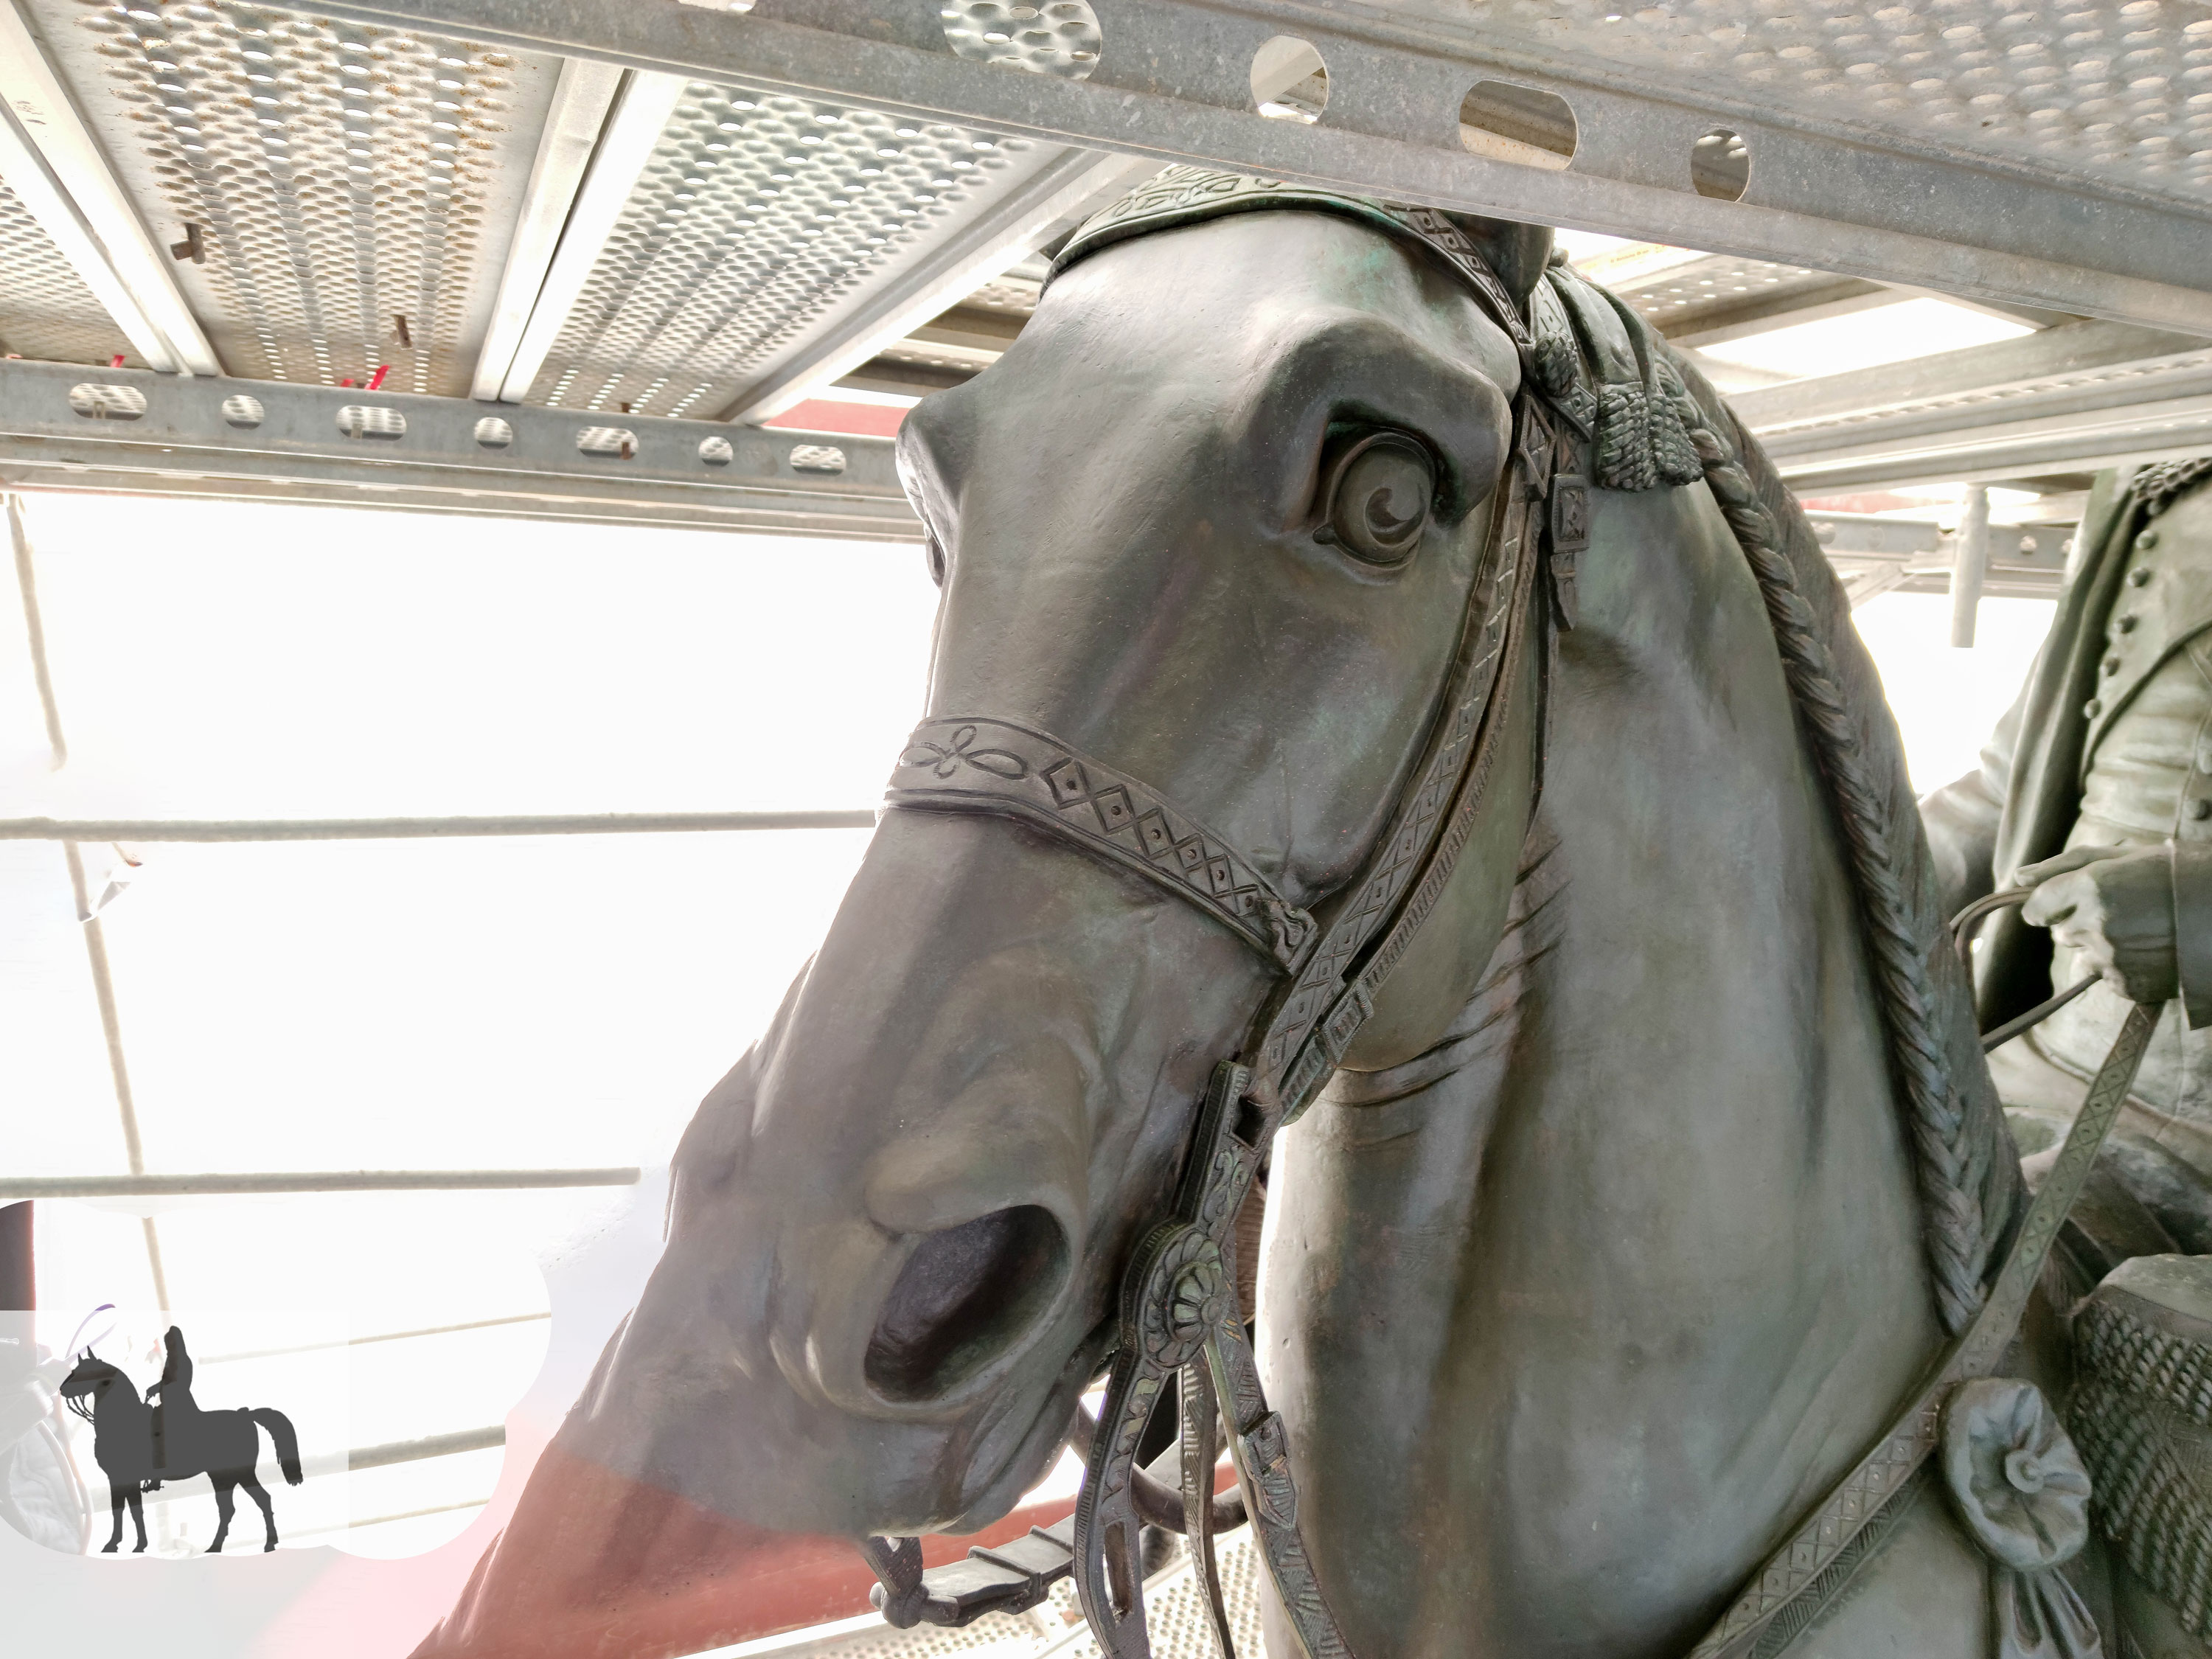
<point x="673" y="211"/>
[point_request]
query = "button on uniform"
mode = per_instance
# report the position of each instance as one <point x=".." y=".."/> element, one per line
<point x="2198" y="807"/>
<point x="2138" y="577"/>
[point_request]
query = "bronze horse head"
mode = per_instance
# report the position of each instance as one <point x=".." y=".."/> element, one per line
<point x="1616" y="1226"/>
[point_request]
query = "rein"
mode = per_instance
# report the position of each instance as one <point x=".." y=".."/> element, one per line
<point x="1817" y="1560"/>
<point x="1963" y="926"/>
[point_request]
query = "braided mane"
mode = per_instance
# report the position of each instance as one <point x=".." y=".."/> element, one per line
<point x="1966" y="1167"/>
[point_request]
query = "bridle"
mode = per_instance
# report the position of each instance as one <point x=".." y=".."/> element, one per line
<point x="1180" y="1324"/>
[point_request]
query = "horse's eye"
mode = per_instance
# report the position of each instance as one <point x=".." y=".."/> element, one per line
<point x="1379" y="495"/>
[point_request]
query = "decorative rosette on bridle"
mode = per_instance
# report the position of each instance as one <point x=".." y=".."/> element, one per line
<point x="2020" y="1489"/>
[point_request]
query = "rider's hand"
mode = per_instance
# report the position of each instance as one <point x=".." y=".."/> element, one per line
<point x="2114" y="906"/>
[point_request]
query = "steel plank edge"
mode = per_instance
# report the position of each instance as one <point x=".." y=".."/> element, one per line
<point x="2158" y="244"/>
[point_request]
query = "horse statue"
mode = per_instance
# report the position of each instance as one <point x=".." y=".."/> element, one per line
<point x="1380" y="694"/>
<point x="222" y="1445"/>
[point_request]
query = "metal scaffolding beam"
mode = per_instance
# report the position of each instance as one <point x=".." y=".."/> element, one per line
<point x="380" y="1336"/>
<point x="13" y="1187"/>
<point x="582" y="97"/>
<point x="2073" y="399"/>
<point x="2070" y="354"/>
<point x="640" y="111"/>
<point x="2075" y="432"/>
<point x="1065" y="188"/>
<point x="25" y="173"/>
<point x="1174" y="83"/>
<point x="206" y="830"/>
<point x="256" y="439"/>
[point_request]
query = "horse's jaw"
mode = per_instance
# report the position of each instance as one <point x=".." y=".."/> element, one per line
<point x="896" y="1225"/>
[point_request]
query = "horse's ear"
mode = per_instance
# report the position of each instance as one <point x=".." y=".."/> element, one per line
<point x="1517" y="253"/>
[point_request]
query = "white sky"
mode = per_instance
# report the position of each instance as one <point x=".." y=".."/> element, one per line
<point x="1866" y="339"/>
<point x="552" y="1002"/>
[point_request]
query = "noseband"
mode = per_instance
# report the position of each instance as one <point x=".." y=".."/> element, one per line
<point x="1179" y="1314"/>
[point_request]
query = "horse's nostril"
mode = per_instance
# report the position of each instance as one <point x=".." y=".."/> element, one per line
<point x="963" y="1295"/>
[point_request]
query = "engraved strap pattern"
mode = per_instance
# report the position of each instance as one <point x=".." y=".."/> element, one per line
<point x="1181" y="194"/>
<point x="976" y="764"/>
<point x="1794" y="1570"/>
<point x="1260" y="1446"/>
<point x="1447" y="238"/>
<point x="1307" y="1034"/>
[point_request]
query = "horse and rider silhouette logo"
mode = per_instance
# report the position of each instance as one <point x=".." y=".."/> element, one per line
<point x="139" y="1445"/>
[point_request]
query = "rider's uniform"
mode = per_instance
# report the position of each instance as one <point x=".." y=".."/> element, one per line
<point x="176" y="1402"/>
<point x="2110" y="745"/>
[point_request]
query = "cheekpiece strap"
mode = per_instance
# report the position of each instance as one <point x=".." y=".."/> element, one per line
<point x="972" y="763"/>
<point x="1313" y="1019"/>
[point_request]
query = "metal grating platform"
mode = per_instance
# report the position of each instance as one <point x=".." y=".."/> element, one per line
<point x="343" y="178"/>
<point x="1176" y="1622"/>
<point x="2036" y="155"/>
<point x="694" y="210"/>
<point x="753" y="224"/>
<point x="45" y="309"/>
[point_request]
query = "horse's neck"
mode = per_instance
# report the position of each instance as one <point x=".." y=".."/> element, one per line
<point x="1641" y="1234"/>
<point x="1689" y="965"/>
<point x="120" y="1407"/>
